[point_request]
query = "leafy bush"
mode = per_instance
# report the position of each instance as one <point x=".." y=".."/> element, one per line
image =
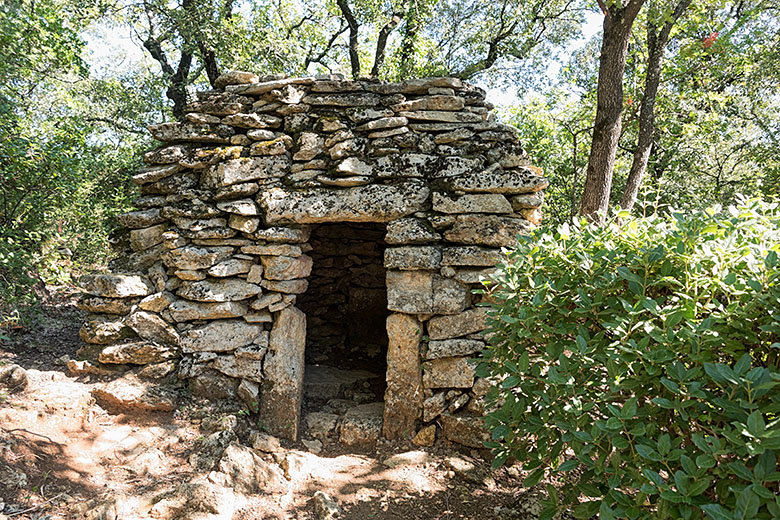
<point x="638" y="363"/>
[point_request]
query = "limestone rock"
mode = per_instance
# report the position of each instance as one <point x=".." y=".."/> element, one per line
<point x="342" y="100"/>
<point x="249" y="393"/>
<point x="154" y="174"/>
<point x="278" y="146"/>
<point x="362" y="424"/>
<point x="466" y="430"/>
<point x="468" y="322"/>
<point x="320" y="425"/>
<point x="411" y="257"/>
<point x="477" y="203"/>
<point x="184" y="310"/>
<point x="225" y="290"/>
<point x="448" y="373"/>
<point x="193" y="258"/>
<point x="431" y="103"/>
<point x="284" y="368"/>
<point x="211" y="384"/>
<point x="208" y="451"/>
<point x="157" y="302"/>
<point x="286" y="286"/>
<point x="241" y="368"/>
<point x="487" y="230"/>
<point x="264" y="87"/>
<point x="499" y="181"/>
<point x="243" y="207"/>
<point x="410" y="292"/>
<point x="264" y="442"/>
<point x="103" y="330"/>
<point x="201" y="133"/>
<point x="101" y="305"/>
<point x="471" y="256"/>
<point x="128" y="393"/>
<point x="453" y="347"/>
<point x="287" y="267"/>
<point x="153" y="328"/>
<point x="244" y="224"/>
<point x="374" y="203"/>
<point x="283" y="234"/>
<point x="410" y="231"/>
<point x="231" y="267"/>
<point x="310" y="145"/>
<point x="245" y="169"/>
<point x="325" y="507"/>
<point x="116" y="285"/>
<point x="426" y="436"/>
<point x="136" y="353"/>
<point x="434" y="406"/>
<point x="247" y="472"/>
<point x="220" y="336"/>
<point x="527" y="201"/>
<point x="141" y="218"/>
<point x="253" y="120"/>
<point x="235" y="77"/>
<point x="13" y="378"/>
<point x="442" y="115"/>
<point x="403" y="397"/>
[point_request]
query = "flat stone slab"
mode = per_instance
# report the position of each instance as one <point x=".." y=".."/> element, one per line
<point x="374" y="203"/>
<point x="362" y="424"/>
<point x="128" y="393"/>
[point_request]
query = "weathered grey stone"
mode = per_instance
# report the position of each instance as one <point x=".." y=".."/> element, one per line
<point x="249" y="393"/>
<point x="189" y="275"/>
<point x="320" y="425"/>
<point x="243" y="368"/>
<point x="253" y="120"/>
<point x="499" y="181"/>
<point x="426" y="436"/>
<point x="243" y="207"/>
<point x="263" y="87"/>
<point x="273" y="250"/>
<point x="379" y="134"/>
<point x="412" y="257"/>
<point x="443" y="116"/>
<point x="342" y="100"/>
<point x="466" y="430"/>
<point x="480" y="276"/>
<point x="449" y="296"/>
<point x="146" y="238"/>
<point x="211" y="384"/>
<point x="136" y="353"/>
<point x="265" y="300"/>
<point x="278" y="146"/>
<point x="116" y="285"/>
<point x="184" y="310"/>
<point x="152" y="327"/>
<point x="231" y="267"/>
<point x="344" y="182"/>
<point x="403" y="397"/>
<point x="248" y="473"/>
<point x="141" y="219"/>
<point x="434" y="406"/>
<point x="101" y="305"/>
<point x="362" y="424"/>
<point x="457" y="135"/>
<point x="382" y="124"/>
<point x="431" y="103"/>
<point x="354" y="166"/>
<point x="201" y="133"/>
<point x="411" y="231"/>
<point x="284" y="367"/>
<point x="287" y="267"/>
<point x="220" y="336"/>
<point x="487" y="230"/>
<point x="246" y="225"/>
<point x="471" y="256"/>
<point x="129" y="393"/>
<point x="346" y="148"/>
<point x="227" y="290"/>
<point x="457" y="372"/>
<point x="527" y="201"/>
<point x="235" y="77"/>
<point x="468" y="322"/>
<point x="245" y="169"/>
<point x="477" y="203"/>
<point x="310" y="145"/>
<point x="194" y="258"/>
<point x="410" y="291"/>
<point x="261" y="134"/>
<point x="154" y="174"/>
<point x="374" y="203"/>
<point x="166" y="154"/>
<point x="286" y="286"/>
<point x="103" y="330"/>
<point x="453" y="347"/>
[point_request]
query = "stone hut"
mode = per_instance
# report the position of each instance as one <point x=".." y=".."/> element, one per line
<point x="297" y="235"/>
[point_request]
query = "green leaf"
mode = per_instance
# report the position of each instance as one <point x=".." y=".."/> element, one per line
<point x="755" y="424"/>
<point x="717" y="512"/>
<point x="653" y="477"/>
<point x="533" y="478"/>
<point x="747" y="504"/>
<point x="663" y="402"/>
<point x="586" y="509"/>
<point x="742" y="365"/>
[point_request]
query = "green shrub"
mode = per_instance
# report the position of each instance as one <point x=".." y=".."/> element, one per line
<point x="638" y="363"/>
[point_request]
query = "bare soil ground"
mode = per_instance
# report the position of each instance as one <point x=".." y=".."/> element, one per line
<point x="64" y="457"/>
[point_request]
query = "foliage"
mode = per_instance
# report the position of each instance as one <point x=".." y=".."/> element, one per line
<point x="639" y="362"/>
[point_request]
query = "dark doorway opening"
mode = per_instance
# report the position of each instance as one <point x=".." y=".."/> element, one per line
<point x="346" y="312"/>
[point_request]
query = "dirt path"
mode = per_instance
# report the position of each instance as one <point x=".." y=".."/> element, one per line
<point x="62" y="457"/>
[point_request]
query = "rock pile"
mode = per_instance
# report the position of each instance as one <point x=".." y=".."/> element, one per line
<point x="216" y="253"/>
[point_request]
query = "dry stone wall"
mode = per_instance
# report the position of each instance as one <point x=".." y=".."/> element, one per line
<point x="219" y="248"/>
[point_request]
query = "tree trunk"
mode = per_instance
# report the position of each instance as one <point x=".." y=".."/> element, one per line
<point x="609" y="105"/>
<point x="656" y="43"/>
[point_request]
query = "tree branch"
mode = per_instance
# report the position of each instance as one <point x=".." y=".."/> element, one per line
<point x="381" y="41"/>
<point x="354" y="57"/>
